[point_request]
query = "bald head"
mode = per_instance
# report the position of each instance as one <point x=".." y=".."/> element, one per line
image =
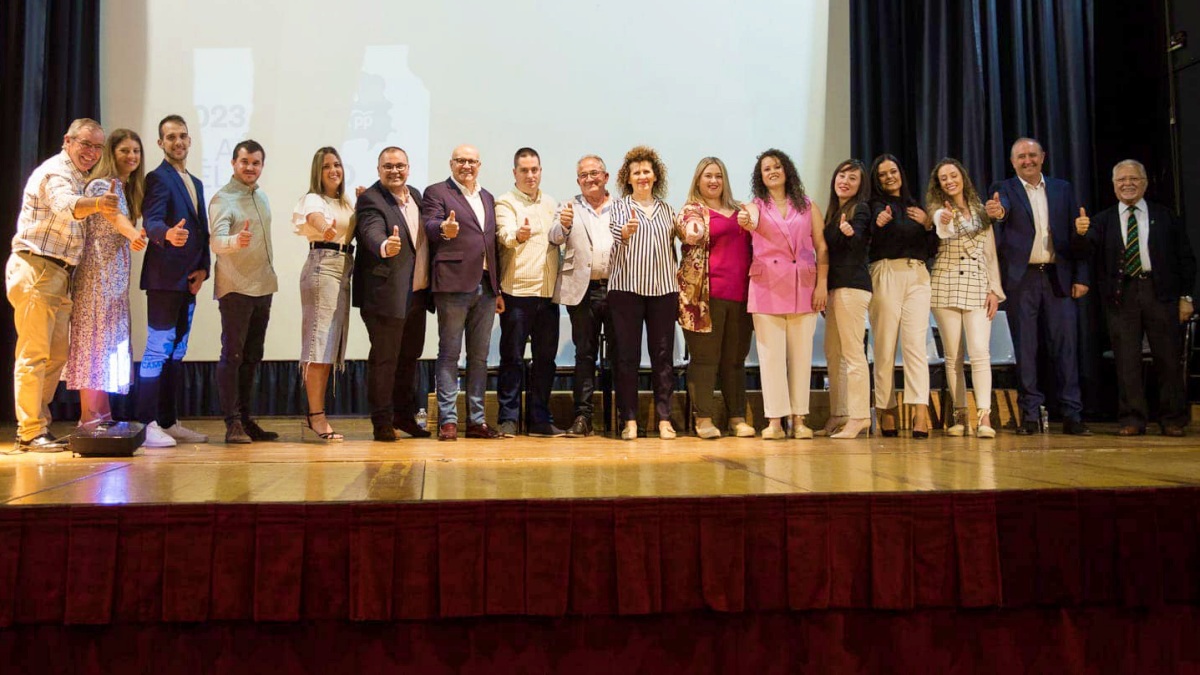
<point x="464" y="165"/>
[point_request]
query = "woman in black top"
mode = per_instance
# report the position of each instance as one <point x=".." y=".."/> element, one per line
<point x="902" y="240"/>
<point x="847" y="230"/>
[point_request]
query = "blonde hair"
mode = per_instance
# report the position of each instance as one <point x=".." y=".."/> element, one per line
<point x="314" y="177"/>
<point x="135" y="186"/>
<point x="694" y="195"/>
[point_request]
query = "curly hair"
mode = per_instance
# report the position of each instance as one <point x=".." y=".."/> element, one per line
<point x="834" y="212"/>
<point x="935" y="196"/>
<point x="877" y="192"/>
<point x="792" y="185"/>
<point x="643" y="153"/>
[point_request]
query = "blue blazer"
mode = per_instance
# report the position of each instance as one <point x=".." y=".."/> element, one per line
<point x="457" y="264"/>
<point x="1014" y="234"/>
<point x="166" y="267"/>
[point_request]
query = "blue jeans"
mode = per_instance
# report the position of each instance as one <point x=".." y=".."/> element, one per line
<point x="471" y="314"/>
<point x="535" y="320"/>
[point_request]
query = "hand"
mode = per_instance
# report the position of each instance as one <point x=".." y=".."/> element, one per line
<point x="196" y="280"/>
<point x="1082" y="223"/>
<point x="743" y="219"/>
<point x="947" y="213"/>
<point x="845" y="227"/>
<point x="391" y="245"/>
<point x="450" y="227"/>
<point x="630" y="227"/>
<point x="693" y="233"/>
<point x="358" y="191"/>
<point x="1186" y="310"/>
<point x="330" y="232"/>
<point x="1078" y="290"/>
<point x="992" y="305"/>
<point x="243" y="237"/>
<point x="994" y="208"/>
<point x="567" y="216"/>
<point x="499" y="304"/>
<point x="138" y="244"/>
<point x="918" y="214"/>
<point x="109" y="203"/>
<point x="524" y="232"/>
<point x="177" y="236"/>
<point x="820" y="297"/>
<point x="884" y="217"/>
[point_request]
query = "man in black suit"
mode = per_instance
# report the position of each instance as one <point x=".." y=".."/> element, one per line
<point x="391" y="290"/>
<point x="1145" y="267"/>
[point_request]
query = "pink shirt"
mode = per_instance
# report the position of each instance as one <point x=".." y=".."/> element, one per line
<point x="783" y="273"/>
<point x="728" y="258"/>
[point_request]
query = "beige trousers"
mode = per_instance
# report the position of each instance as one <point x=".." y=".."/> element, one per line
<point x="40" y="293"/>
<point x="900" y="314"/>
<point x="785" y="344"/>
<point x="849" y="374"/>
<point x="973" y="324"/>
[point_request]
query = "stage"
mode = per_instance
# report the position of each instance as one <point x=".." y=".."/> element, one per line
<point x="1019" y="554"/>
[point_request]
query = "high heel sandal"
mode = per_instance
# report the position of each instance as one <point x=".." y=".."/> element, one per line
<point x="330" y="436"/>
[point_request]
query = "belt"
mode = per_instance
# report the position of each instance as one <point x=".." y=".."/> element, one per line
<point x="1140" y="276"/>
<point x="1041" y="267"/>
<point x="329" y="245"/>
<point x="57" y="261"/>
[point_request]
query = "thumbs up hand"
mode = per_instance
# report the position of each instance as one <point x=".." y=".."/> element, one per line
<point x="391" y="245"/>
<point x="243" y="237"/>
<point x="884" y="217"/>
<point x="330" y="232"/>
<point x="631" y="226"/>
<point x="567" y="216"/>
<point x="1082" y="223"/>
<point x="947" y="213"/>
<point x="846" y="228"/>
<point x="524" y="232"/>
<point x="109" y="203"/>
<point x="994" y="208"/>
<point x="450" y="227"/>
<point x="177" y="236"/>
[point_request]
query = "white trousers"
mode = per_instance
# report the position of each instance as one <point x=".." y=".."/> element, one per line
<point x="849" y="374"/>
<point x="955" y="325"/>
<point x="900" y="314"/>
<point x="785" y="344"/>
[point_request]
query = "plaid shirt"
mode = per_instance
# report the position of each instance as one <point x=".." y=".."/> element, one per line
<point x="47" y="224"/>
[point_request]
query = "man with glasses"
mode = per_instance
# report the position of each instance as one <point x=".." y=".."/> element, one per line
<point x="391" y="290"/>
<point x="581" y="227"/>
<point x="460" y="221"/>
<point x="47" y="247"/>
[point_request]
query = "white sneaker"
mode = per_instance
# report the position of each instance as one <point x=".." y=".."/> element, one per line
<point x="184" y="434"/>
<point x="157" y="438"/>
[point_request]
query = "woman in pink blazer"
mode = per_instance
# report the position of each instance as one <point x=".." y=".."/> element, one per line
<point x="787" y="288"/>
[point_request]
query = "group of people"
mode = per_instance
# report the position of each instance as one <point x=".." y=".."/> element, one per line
<point x="620" y="263"/>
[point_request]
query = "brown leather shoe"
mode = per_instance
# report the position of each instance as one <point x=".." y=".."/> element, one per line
<point x="1173" y="430"/>
<point x="483" y="431"/>
<point x="1130" y="430"/>
<point x="448" y="432"/>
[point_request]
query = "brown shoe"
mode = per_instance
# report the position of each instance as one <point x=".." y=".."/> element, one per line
<point x="1130" y="430"/>
<point x="483" y="431"/>
<point x="1173" y="430"/>
<point x="448" y="432"/>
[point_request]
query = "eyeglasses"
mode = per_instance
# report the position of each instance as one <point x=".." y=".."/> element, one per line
<point x="388" y="168"/>
<point x="459" y="161"/>
<point x="1128" y="179"/>
<point x="90" y="147"/>
<point x="590" y="175"/>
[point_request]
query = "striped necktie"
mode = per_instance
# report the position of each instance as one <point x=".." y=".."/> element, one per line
<point x="1133" y="249"/>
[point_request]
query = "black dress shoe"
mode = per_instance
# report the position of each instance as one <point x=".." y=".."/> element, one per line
<point x="257" y="433"/>
<point x="235" y="433"/>
<point x="546" y="430"/>
<point x="384" y="434"/>
<point x="1076" y="428"/>
<point x="580" y="428"/>
<point x="1028" y="428"/>
<point x="410" y="427"/>
<point x="44" y="442"/>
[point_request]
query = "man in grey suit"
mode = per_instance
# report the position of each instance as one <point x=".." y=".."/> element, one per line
<point x="582" y="229"/>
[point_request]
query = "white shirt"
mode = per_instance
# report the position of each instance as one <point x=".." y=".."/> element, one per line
<point x="412" y="218"/>
<point x="475" y="199"/>
<point x="595" y="224"/>
<point x="1143" y="221"/>
<point x="527" y="269"/>
<point x="1043" y="244"/>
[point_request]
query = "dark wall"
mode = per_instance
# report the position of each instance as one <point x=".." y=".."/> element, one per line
<point x="1185" y="71"/>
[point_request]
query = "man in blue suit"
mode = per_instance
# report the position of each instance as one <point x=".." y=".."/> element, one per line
<point x="175" y="266"/>
<point x="1044" y="269"/>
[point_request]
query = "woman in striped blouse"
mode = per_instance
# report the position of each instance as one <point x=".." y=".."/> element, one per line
<point x="642" y="287"/>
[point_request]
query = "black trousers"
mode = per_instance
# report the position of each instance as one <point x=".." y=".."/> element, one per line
<point x="658" y="313"/>
<point x="396" y="346"/>
<point x="244" y="321"/>
<point x="587" y="317"/>
<point x="1139" y="312"/>
<point x="169" y="317"/>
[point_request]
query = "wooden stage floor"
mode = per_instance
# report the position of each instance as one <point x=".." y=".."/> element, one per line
<point x="597" y="467"/>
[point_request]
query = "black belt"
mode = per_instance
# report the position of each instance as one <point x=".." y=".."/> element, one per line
<point x="57" y="261"/>
<point x="329" y="245"/>
<point x="1140" y="276"/>
<point x="1041" y="267"/>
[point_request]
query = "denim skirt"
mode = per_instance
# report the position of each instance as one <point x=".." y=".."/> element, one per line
<point x="325" y="306"/>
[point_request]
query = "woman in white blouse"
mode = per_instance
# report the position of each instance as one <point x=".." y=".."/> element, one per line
<point x="325" y="215"/>
<point x="966" y="289"/>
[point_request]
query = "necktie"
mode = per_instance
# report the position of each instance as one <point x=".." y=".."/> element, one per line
<point x="1133" y="250"/>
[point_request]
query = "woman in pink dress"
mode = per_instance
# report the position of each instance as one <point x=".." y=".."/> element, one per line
<point x="787" y="288"/>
